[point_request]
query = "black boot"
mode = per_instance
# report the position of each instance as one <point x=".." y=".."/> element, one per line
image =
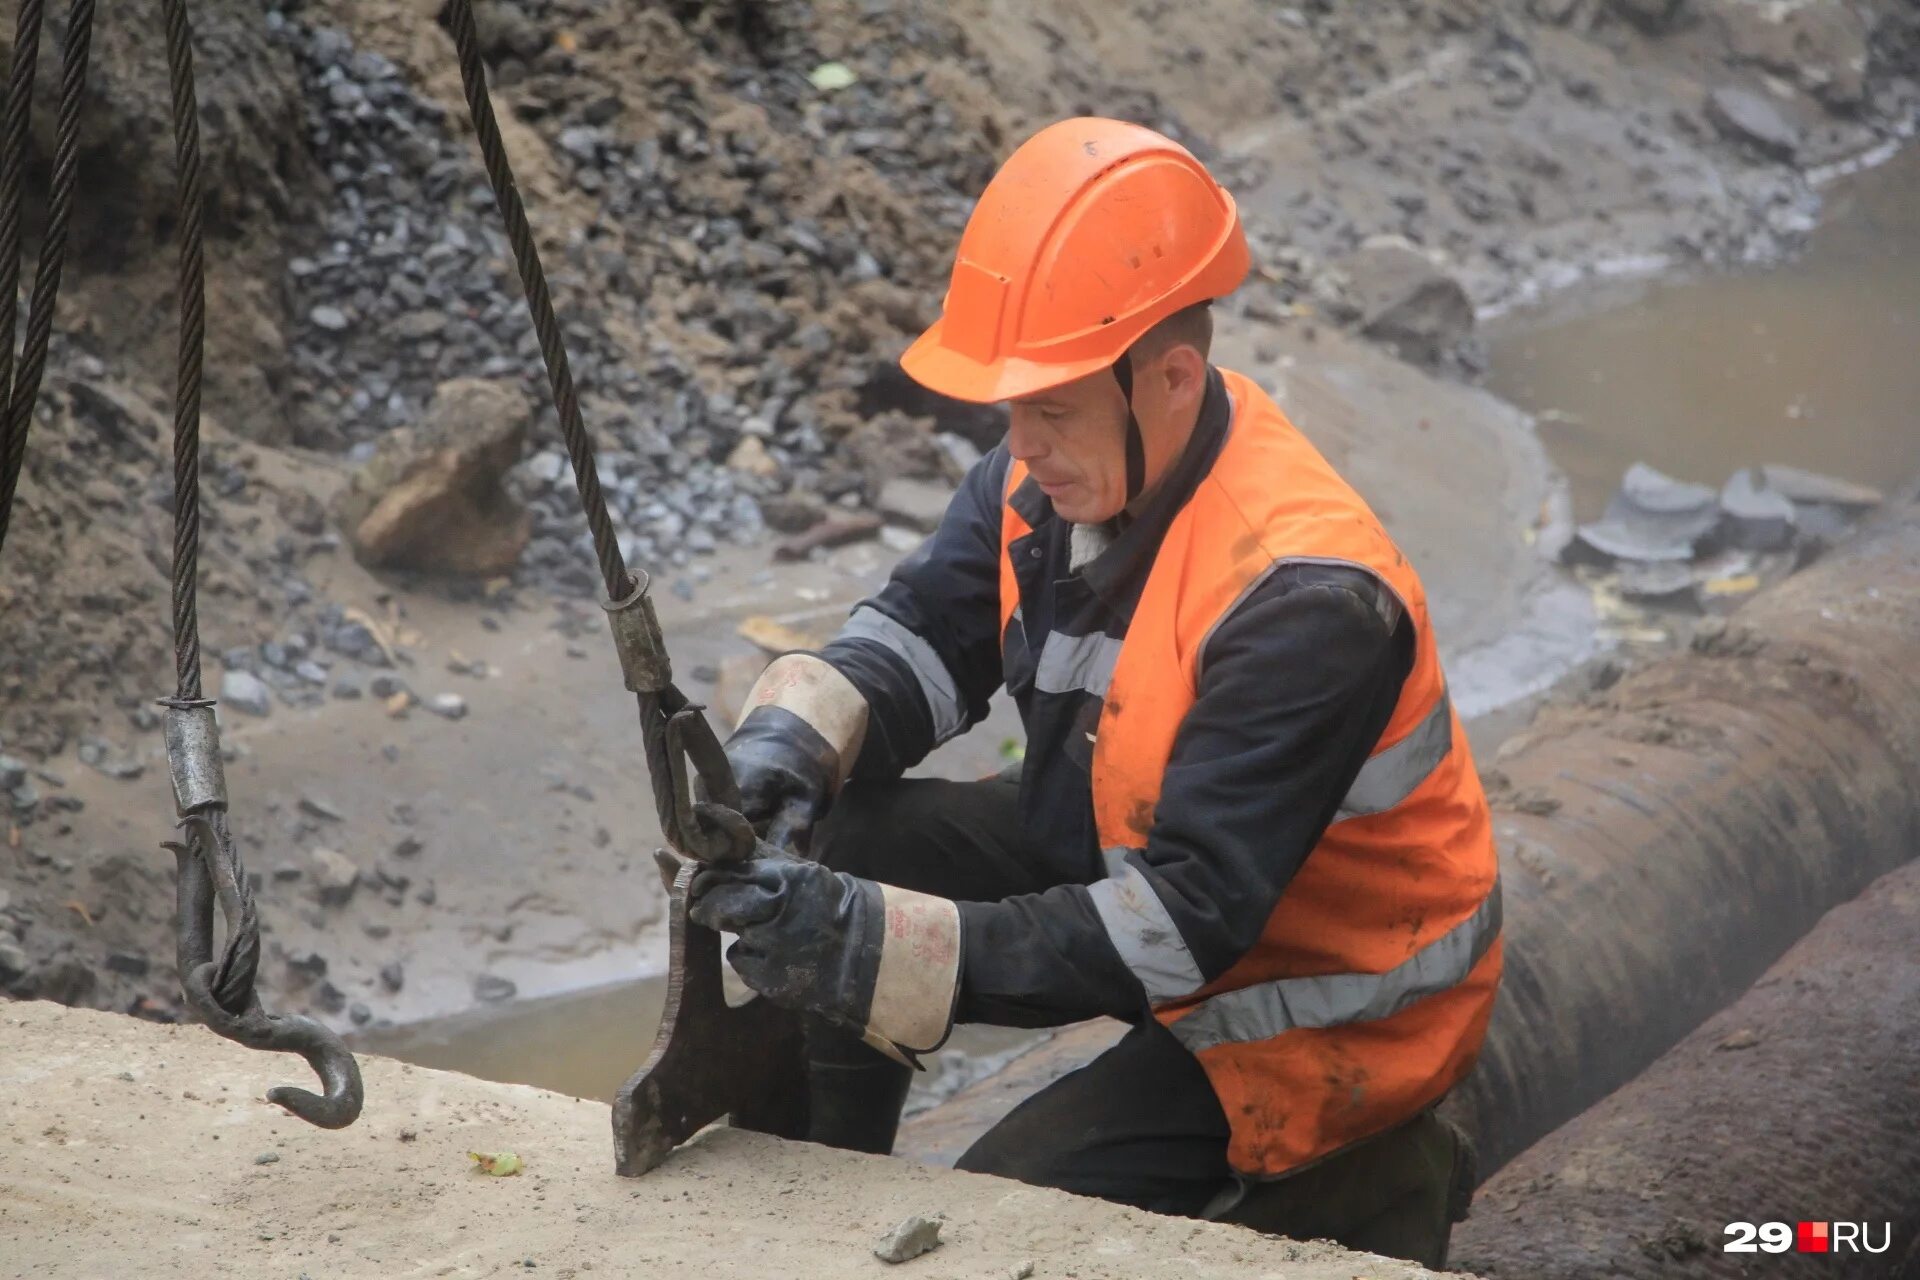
<point x="855" y="1093"/>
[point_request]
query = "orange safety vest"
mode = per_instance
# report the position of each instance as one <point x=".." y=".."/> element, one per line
<point x="1368" y="993"/>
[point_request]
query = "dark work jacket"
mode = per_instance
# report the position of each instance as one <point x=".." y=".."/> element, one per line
<point x="1298" y="682"/>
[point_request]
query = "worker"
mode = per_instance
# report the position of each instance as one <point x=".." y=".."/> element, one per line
<point x="1246" y="821"/>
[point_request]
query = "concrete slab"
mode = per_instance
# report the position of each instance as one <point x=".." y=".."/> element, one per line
<point x="129" y="1148"/>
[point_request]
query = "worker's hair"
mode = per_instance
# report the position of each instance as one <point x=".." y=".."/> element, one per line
<point x="1192" y="326"/>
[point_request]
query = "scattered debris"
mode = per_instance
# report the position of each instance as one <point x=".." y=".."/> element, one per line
<point x="128" y="964"/>
<point x="450" y="706"/>
<point x="1804" y="487"/>
<point x="1744" y="116"/>
<point x="307" y="968"/>
<point x="914" y="503"/>
<point x="1738" y="584"/>
<point x="334" y="876"/>
<point x="773" y="636"/>
<point x="245" y="692"/>
<point x="1408" y="302"/>
<point x="1669" y="544"/>
<point x="1752" y="517"/>
<point x="101" y="756"/>
<point x="497" y="1164"/>
<point x="834" y="531"/>
<point x="488" y="988"/>
<point x="911" y="1238"/>
<point x="750" y="457"/>
<point x="14" y="963"/>
<point x="1659" y="583"/>
<point x="1653" y="517"/>
<point x="317" y="807"/>
<point x="386" y="686"/>
<point x="373" y="630"/>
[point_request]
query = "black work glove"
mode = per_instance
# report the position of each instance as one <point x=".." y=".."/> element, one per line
<point x="814" y="939"/>
<point x="786" y="771"/>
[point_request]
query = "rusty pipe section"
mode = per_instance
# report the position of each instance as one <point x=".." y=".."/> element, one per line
<point x="1668" y="839"/>
<point x="1801" y="1101"/>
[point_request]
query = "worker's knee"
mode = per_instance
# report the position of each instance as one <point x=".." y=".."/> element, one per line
<point x="932" y="835"/>
<point x="1015" y="1151"/>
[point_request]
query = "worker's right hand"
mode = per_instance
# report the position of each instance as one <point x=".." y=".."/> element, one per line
<point x="786" y="771"/>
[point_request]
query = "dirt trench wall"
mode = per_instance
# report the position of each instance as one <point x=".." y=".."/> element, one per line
<point x="1665" y="842"/>
<point x="1799" y="1101"/>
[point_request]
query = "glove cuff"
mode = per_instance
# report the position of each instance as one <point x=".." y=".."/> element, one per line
<point x="814" y="691"/>
<point x="917" y="983"/>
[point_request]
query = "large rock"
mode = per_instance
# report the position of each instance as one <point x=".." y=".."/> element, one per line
<point x="1746" y="117"/>
<point x="431" y="497"/>
<point x="1407" y="301"/>
<point x="1822" y="45"/>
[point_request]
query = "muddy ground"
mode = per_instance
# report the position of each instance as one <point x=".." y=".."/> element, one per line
<point x="740" y="256"/>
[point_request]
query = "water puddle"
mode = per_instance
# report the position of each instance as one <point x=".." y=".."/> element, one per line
<point x="586" y="1043"/>
<point x="583" y="1043"/>
<point x="1812" y="364"/>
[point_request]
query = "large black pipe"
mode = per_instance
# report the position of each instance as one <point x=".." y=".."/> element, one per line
<point x="1667" y="840"/>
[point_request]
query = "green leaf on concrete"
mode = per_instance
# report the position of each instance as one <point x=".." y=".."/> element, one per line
<point x="829" y="76"/>
<point x="498" y="1164"/>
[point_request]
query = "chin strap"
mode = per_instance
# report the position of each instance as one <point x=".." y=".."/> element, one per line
<point x="1136" y="445"/>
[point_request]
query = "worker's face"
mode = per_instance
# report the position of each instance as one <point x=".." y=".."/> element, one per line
<point x="1073" y="437"/>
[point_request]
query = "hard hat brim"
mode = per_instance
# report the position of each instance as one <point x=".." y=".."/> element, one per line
<point x="937" y="367"/>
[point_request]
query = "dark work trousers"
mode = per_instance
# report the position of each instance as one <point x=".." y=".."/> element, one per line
<point x="1139" y="1124"/>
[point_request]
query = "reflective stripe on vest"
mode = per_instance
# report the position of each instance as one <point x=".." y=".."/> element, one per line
<point x="1142" y="932"/>
<point x="936" y="682"/>
<point x="1150" y="945"/>
<point x="1391" y="775"/>
<point x="1070" y="664"/>
<point x="1267" y="1009"/>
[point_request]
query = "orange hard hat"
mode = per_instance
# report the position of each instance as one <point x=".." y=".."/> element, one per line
<point x="1092" y="232"/>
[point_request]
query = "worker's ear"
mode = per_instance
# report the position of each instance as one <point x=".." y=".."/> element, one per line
<point x="1183" y="375"/>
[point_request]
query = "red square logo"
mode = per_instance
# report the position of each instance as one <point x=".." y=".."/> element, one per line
<point x="1811" y="1237"/>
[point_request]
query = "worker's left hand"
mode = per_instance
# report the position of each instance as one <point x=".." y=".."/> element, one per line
<point x="879" y="960"/>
